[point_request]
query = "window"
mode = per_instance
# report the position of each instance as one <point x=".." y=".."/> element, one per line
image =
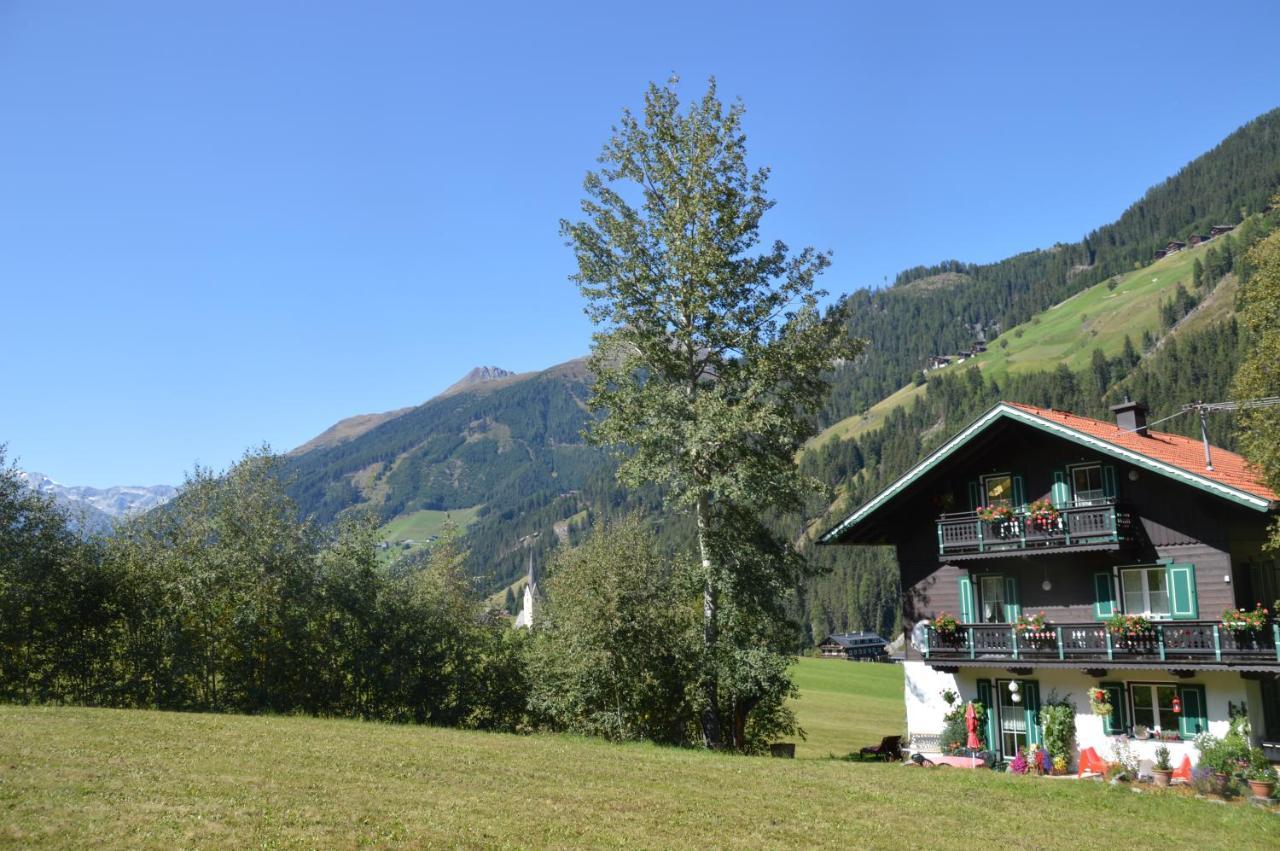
<point x="998" y="489"/>
<point x="1146" y="591"/>
<point x="991" y="599"/>
<point x="1153" y="707"/>
<point x="1086" y="484"/>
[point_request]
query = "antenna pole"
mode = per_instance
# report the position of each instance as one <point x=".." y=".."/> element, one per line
<point x="1204" y="435"/>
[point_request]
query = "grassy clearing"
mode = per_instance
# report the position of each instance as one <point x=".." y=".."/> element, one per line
<point x="117" y="778"/>
<point x="418" y="526"/>
<point x="844" y="706"/>
<point x="1067" y="333"/>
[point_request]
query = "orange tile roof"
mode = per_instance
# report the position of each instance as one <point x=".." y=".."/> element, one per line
<point x="1229" y="468"/>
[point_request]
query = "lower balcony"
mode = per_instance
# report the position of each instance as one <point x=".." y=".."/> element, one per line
<point x="966" y="535"/>
<point x="1173" y="643"/>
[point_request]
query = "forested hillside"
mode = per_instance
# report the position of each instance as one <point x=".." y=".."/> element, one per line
<point x="940" y="309"/>
<point x="513" y="449"/>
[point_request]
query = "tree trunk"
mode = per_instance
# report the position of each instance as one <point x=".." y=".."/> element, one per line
<point x="711" y="733"/>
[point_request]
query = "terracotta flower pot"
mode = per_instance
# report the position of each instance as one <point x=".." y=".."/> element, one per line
<point x="1262" y="788"/>
<point x="1162" y="778"/>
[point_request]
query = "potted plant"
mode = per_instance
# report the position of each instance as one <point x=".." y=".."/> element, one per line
<point x="1130" y="630"/>
<point x="1260" y="775"/>
<point x="1099" y="703"/>
<point x="1215" y="757"/>
<point x="994" y="513"/>
<point x="1162" y="770"/>
<point x="1243" y="620"/>
<point x="1044" y="516"/>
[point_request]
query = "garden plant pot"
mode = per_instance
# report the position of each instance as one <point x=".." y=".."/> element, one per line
<point x="1262" y="788"/>
<point x="1161" y="778"/>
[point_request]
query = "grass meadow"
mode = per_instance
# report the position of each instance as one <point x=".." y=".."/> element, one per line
<point x="103" y="778"/>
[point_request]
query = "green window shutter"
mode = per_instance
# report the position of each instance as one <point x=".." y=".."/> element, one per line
<point x="985" y="697"/>
<point x="975" y="496"/>
<point x="1193" y="719"/>
<point x="1061" y="493"/>
<point x="1012" y="607"/>
<point x="1108" y="481"/>
<point x="1117" y="723"/>
<point x="966" y="600"/>
<point x="1104" y="596"/>
<point x="1031" y="700"/>
<point x="1183" y="604"/>
<point x="1019" y="494"/>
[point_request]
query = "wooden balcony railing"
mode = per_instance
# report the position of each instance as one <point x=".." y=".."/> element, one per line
<point x="1173" y="642"/>
<point x="965" y="534"/>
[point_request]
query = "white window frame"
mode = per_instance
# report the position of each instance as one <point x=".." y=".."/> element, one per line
<point x="1071" y="479"/>
<point x="980" y="600"/>
<point x="1146" y="592"/>
<point x="1155" y="705"/>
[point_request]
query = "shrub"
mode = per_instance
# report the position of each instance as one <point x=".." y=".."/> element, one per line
<point x="1059" y="719"/>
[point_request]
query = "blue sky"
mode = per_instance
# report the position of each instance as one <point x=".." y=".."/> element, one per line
<point x="229" y="223"/>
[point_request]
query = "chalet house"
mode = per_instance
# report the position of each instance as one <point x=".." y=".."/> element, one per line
<point x="854" y="645"/>
<point x="1197" y="238"/>
<point x="1040" y="532"/>
<point x="1219" y="230"/>
<point x="937" y="362"/>
<point x="1159" y="254"/>
<point x="1174" y="246"/>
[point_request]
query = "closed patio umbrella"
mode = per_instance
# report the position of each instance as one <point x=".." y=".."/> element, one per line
<point x="973" y="743"/>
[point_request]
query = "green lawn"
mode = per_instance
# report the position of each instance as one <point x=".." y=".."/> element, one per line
<point x="844" y="706"/>
<point x="118" y="778"/>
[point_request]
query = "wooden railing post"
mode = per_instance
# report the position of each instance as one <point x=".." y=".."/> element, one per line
<point x="973" y="651"/>
<point x="1061" y="650"/>
<point x="1110" y="652"/>
<point x="1013" y="634"/>
<point x="1217" y="644"/>
<point x="1160" y="638"/>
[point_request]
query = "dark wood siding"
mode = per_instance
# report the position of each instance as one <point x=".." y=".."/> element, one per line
<point x="1172" y="520"/>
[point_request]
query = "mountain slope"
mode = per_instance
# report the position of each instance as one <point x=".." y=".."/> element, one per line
<point x="94" y="509"/>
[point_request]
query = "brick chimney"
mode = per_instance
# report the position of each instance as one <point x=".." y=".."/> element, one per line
<point x="1131" y="416"/>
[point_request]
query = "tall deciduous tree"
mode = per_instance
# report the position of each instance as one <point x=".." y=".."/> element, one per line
<point x="710" y="356"/>
<point x="1259" y="374"/>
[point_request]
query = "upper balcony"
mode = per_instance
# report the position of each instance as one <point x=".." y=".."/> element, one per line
<point x="1173" y="643"/>
<point x="1100" y="525"/>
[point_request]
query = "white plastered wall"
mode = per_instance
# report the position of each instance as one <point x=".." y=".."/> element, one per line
<point x="925" y="706"/>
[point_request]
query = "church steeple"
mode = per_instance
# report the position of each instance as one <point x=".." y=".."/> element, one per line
<point x="525" y="617"/>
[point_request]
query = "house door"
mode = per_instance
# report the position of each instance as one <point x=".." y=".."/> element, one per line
<point x="1017" y="722"/>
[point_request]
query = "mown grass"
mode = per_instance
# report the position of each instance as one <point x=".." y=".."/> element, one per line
<point x="844" y="706"/>
<point x="120" y="778"/>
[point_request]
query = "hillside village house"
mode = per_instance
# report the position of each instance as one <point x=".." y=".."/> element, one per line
<point x="855" y="646"/>
<point x="1029" y="511"/>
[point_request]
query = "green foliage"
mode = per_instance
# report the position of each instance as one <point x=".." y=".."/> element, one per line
<point x="1059" y="720"/>
<point x="615" y="644"/>
<point x="224" y="601"/>
<point x="1259" y="374"/>
<point x="709" y="364"/>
